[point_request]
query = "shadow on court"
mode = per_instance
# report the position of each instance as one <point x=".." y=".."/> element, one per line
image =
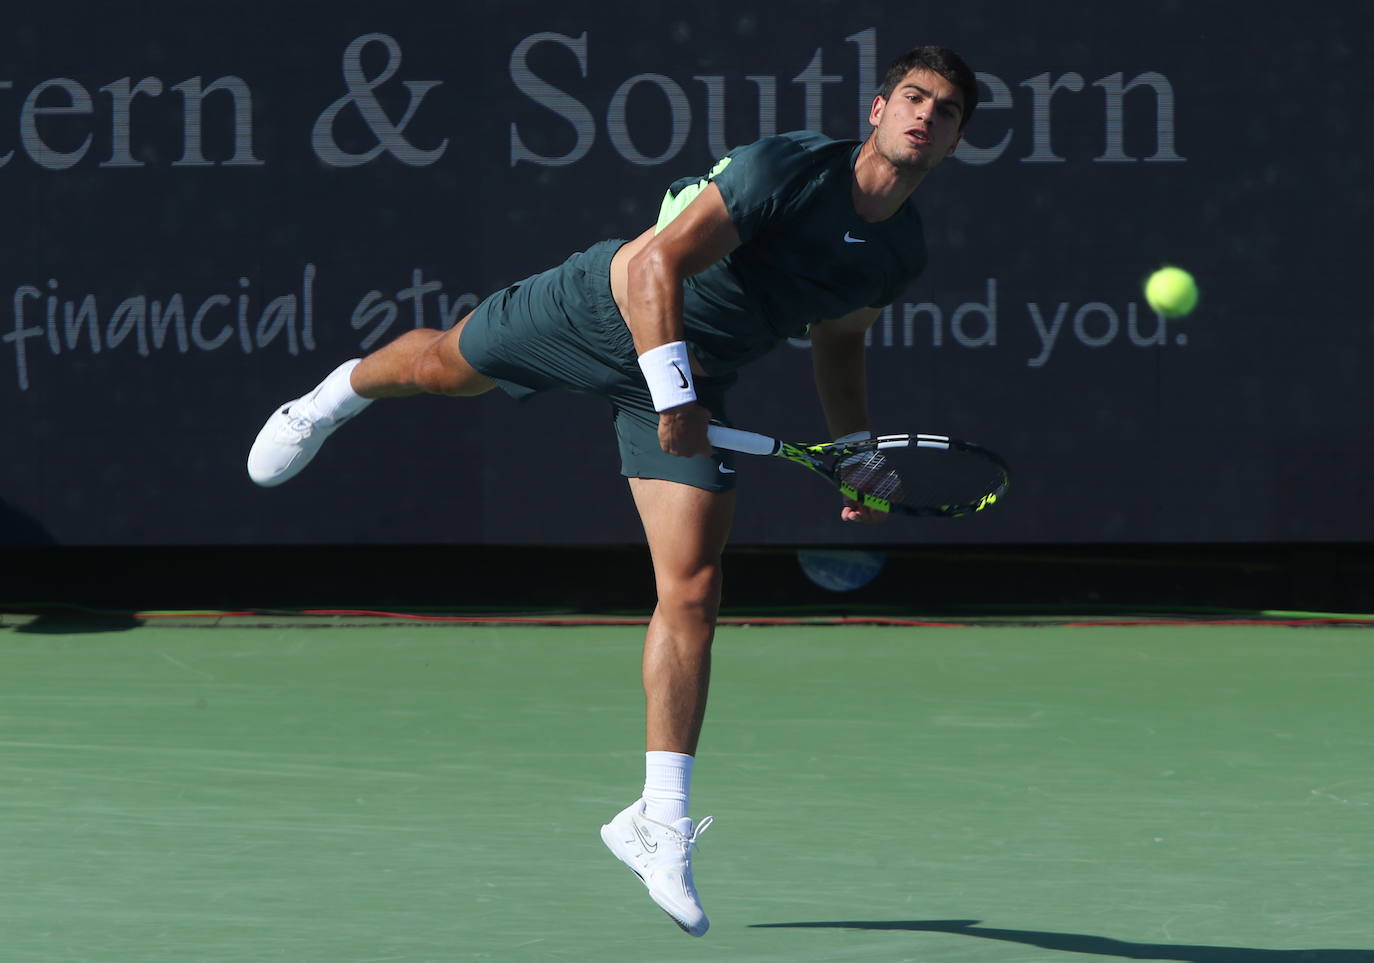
<point x="1095" y="945"/>
<point x="56" y="624"/>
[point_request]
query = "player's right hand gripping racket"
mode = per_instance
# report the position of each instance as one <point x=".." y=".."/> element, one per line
<point x="929" y="476"/>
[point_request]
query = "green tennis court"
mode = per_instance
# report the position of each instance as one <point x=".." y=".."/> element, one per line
<point x="336" y="791"/>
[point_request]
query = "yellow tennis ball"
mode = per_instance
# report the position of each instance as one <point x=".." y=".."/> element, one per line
<point x="1172" y="292"/>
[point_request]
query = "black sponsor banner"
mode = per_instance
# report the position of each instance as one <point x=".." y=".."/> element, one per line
<point x="208" y="209"/>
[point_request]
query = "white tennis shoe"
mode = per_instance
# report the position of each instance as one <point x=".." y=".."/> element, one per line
<point x="661" y="856"/>
<point x="287" y="443"/>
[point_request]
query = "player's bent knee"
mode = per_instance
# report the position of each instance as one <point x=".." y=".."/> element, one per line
<point x="430" y="375"/>
<point x="697" y="593"/>
<point x="438" y="375"/>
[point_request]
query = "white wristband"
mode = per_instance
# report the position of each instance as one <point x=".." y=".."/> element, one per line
<point x="669" y="375"/>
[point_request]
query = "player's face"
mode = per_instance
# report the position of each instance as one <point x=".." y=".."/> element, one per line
<point x="918" y="126"/>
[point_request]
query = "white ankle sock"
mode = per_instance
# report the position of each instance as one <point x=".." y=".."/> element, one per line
<point x="334" y="399"/>
<point x="667" y="785"/>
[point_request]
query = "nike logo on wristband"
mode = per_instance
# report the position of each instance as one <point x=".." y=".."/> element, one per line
<point x="679" y="374"/>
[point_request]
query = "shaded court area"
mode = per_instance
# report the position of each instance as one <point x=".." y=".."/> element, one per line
<point x="340" y="790"/>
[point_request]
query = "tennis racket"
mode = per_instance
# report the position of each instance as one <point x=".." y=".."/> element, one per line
<point x="928" y="476"/>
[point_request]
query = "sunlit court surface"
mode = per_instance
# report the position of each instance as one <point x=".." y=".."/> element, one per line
<point x="343" y="789"/>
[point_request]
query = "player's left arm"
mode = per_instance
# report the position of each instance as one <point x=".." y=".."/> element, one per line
<point x="838" y="360"/>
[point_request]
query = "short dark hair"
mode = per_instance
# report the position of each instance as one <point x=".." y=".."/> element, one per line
<point x="940" y="60"/>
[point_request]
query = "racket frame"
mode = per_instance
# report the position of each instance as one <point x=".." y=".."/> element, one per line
<point x="827" y="458"/>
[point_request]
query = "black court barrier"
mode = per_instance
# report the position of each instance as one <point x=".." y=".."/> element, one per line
<point x="208" y="207"/>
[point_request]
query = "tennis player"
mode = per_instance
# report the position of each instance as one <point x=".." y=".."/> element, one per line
<point x="790" y="234"/>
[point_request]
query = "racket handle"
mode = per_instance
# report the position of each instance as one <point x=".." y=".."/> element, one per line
<point x="748" y="442"/>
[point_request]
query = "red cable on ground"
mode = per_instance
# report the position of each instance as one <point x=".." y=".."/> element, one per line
<point x="1294" y="620"/>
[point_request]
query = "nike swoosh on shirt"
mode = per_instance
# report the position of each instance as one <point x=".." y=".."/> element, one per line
<point x="851" y="239"/>
<point x="725" y="471"/>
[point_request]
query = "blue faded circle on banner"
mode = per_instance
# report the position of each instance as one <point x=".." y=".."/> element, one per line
<point x="840" y="570"/>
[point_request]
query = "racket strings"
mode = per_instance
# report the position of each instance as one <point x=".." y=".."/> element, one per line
<point x="950" y="481"/>
<point x="873" y="473"/>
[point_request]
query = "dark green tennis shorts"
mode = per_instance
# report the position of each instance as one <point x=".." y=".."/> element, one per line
<point x="562" y="329"/>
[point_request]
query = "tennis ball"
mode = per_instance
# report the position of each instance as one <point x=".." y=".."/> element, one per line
<point x="1172" y="292"/>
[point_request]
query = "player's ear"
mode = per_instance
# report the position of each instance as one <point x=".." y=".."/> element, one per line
<point x="875" y="113"/>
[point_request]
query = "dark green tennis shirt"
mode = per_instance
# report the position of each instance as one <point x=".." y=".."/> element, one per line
<point x="806" y="255"/>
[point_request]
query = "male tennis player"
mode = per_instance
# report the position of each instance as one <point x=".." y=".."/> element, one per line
<point x="790" y="232"/>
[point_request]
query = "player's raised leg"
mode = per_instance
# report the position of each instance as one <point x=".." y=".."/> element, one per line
<point x="686" y="528"/>
<point x="423" y="360"/>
